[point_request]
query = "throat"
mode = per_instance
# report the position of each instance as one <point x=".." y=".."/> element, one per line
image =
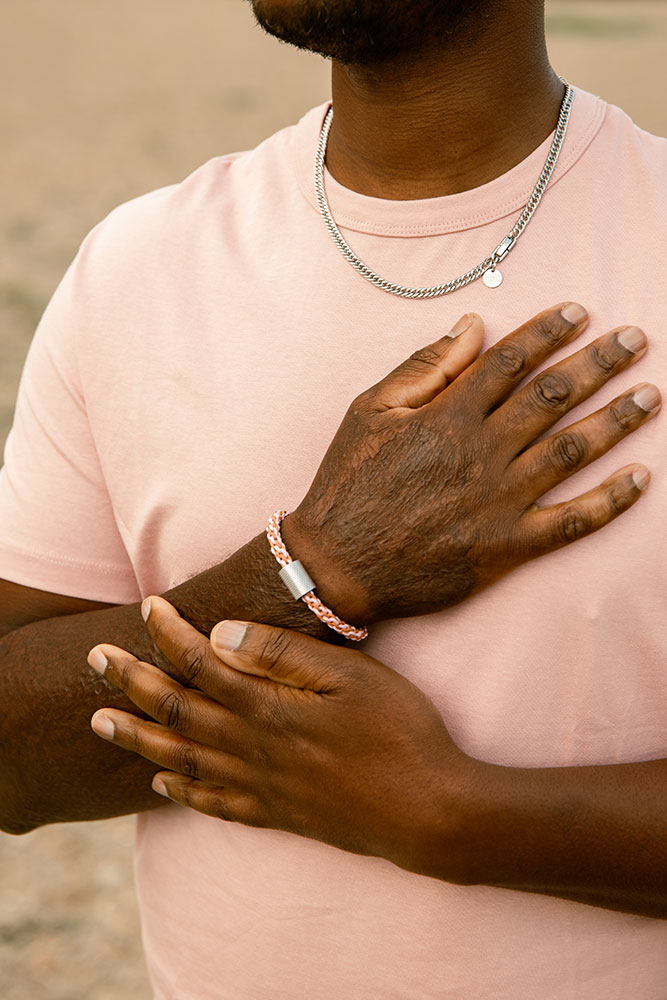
<point x="441" y="122"/>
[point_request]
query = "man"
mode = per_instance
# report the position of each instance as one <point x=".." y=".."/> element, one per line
<point x="186" y="381"/>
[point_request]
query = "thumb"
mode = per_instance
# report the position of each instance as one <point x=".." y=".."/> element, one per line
<point x="429" y="370"/>
<point x="282" y="655"/>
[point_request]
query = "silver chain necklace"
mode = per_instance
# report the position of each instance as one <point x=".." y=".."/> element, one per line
<point x="488" y="269"/>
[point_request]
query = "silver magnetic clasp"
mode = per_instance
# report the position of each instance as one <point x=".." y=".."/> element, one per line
<point x="503" y="248"/>
<point x="297" y="580"/>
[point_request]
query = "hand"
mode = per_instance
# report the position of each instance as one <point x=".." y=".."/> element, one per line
<point x="426" y="496"/>
<point x="293" y="734"/>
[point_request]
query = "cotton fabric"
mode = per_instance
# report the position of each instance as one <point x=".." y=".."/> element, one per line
<point x="185" y="382"/>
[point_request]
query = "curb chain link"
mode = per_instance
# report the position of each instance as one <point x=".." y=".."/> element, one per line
<point x="489" y="264"/>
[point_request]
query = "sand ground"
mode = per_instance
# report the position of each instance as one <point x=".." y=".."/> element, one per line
<point x="102" y="101"/>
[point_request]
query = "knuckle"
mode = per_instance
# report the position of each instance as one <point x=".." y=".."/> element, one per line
<point x="363" y="399"/>
<point x="122" y="677"/>
<point x="223" y="807"/>
<point x="191" y="663"/>
<point x="624" y="414"/>
<point x="618" y="499"/>
<point x="171" y="710"/>
<point x="568" y="452"/>
<point x="602" y="359"/>
<point x="186" y="789"/>
<point x="134" y="738"/>
<point x="362" y="405"/>
<point x="508" y="359"/>
<point x="425" y="359"/>
<point x="275" y="649"/>
<point x="186" y="758"/>
<point x="552" y="391"/>
<point x="572" y="523"/>
<point x="551" y="328"/>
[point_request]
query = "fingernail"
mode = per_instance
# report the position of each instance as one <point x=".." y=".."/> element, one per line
<point x="641" y="478"/>
<point x="574" y="313"/>
<point x="632" y="339"/>
<point x="228" y="635"/>
<point x="648" y="398"/>
<point x="463" y="324"/>
<point x="98" y="660"/>
<point x="103" y="726"/>
<point x="159" y="786"/>
<point x="146" y="609"/>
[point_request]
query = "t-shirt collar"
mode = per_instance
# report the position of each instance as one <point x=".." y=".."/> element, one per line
<point x="503" y="196"/>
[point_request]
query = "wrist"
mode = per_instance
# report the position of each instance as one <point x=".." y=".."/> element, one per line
<point x="246" y="587"/>
<point x="333" y="585"/>
<point x="454" y="837"/>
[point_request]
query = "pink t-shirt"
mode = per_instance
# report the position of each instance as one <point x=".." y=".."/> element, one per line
<point x="184" y="383"/>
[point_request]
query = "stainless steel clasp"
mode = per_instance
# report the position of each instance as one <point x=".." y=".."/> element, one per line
<point x="504" y="248"/>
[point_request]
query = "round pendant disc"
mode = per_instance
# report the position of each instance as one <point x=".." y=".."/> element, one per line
<point x="492" y="278"/>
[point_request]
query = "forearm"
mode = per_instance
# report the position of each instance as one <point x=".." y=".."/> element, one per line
<point x="594" y="835"/>
<point x="52" y="767"/>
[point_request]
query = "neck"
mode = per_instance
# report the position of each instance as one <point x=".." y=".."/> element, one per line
<point x="438" y="122"/>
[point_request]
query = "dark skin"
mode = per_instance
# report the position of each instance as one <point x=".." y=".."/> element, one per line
<point x="55" y="770"/>
<point x="305" y="753"/>
<point x="403" y="140"/>
<point x="421" y="125"/>
<point x="289" y="733"/>
<point x="466" y="97"/>
<point x="51" y="770"/>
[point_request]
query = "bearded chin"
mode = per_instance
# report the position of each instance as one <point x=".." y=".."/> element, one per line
<point x="365" y="32"/>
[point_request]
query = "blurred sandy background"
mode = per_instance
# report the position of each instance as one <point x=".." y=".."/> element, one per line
<point x="101" y="101"/>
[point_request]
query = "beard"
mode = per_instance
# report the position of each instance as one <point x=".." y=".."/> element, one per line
<point x="369" y="32"/>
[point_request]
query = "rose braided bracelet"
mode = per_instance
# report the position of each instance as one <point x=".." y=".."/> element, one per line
<point x="301" y="587"/>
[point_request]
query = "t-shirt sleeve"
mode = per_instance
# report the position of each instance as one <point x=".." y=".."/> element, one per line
<point x="58" y="531"/>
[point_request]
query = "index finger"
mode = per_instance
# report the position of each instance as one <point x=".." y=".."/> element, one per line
<point x="191" y="654"/>
<point x="491" y="379"/>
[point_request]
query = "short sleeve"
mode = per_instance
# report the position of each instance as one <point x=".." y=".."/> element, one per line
<point x="58" y="531"/>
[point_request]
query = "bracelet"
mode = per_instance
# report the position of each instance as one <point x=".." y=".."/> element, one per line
<point x="301" y="587"/>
